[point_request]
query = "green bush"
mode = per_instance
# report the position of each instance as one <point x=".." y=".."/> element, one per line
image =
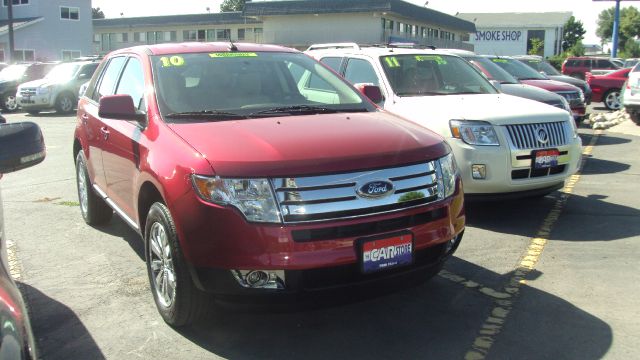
<point x="556" y="60"/>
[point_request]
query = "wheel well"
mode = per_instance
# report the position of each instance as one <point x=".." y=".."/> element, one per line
<point x="67" y="92"/>
<point x="76" y="149"/>
<point x="148" y="195"/>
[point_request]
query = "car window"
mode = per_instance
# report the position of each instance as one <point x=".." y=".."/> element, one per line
<point x="361" y="71"/>
<point x="603" y="64"/>
<point x="88" y="70"/>
<point x="636" y="68"/>
<point x="517" y="69"/>
<point x="132" y="82"/>
<point x="332" y="62"/>
<point x="427" y="74"/>
<point x="62" y="72"/>
<point x="109" y="78"/>
<point x="246" y="83"/>
<point x="491" y="70"/>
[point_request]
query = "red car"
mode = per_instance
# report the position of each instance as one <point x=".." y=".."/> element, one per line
<point x="526" y="75"/>
<point x="607" y="88"/>
<point x="578" y="67"/>
<point x="254" y="170"/>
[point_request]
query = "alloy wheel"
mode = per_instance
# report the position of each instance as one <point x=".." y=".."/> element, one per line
<point x="83" y="190"/>
<point x="613" y="100"/>
<point x="161" y="262"/>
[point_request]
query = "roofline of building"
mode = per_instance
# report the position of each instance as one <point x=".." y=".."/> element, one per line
<point x="27" y="22"/>
<point x="233" y="17"/>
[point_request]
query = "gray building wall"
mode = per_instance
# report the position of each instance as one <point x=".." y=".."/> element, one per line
<point x="49" y="36"/>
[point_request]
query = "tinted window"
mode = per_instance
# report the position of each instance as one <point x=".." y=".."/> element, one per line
<point x="603" y="64"/>
<point x="332" y="62"/>
<point x="109" y="78"/>
<point x="361" y="72"/>
<point x="132" y="82"/>
<point x="519" y="70"/>
<point x="88" y="70"/>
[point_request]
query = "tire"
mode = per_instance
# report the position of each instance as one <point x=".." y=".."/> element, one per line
<point x="65" y="103"/>
<point x="9" y="102"/>
<point x="33" y="112"/>
<point x="178" y="301"/>
<point x="94" y="209"/>
<point x="611" y="99"/>
<point x="635" y="116"/>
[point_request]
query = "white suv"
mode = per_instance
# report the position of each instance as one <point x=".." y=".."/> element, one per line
<point x="505" y="146"/>
<point x="631" y="94"/>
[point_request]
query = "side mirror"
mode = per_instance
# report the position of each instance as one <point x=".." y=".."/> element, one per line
<point x="496" y="84"/>
<point x="373" y="92"/>
<point x="21" y="146"/>
<point x="118" y="107"/>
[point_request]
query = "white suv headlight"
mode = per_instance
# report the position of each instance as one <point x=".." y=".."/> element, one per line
<point x="474" y="132"/>
<point x="43" y="90"/>
<point x="449" y="174"/>
<point x="253" y="197"/>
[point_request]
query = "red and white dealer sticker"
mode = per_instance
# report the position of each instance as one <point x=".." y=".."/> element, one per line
<point x="545" y="158"/>
<point x="386" y="253"/>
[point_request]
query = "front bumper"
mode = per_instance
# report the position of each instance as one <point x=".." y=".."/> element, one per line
<point x="216" y="240"/>
<point x="509" y="171"/>
<point x="35" y="102"/>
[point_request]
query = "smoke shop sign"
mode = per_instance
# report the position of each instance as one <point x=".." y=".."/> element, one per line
<point x="498" y="35"/>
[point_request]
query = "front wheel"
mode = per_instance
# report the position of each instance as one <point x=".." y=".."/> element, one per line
<point x="178" y="301"/>
<point x="612" y="99"/>
<point x="94" y="209"/>
<point x="9" y="102"/>
<point x="65" y="103"/>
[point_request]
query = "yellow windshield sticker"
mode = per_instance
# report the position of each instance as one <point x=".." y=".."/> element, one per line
<point x="392" y="61"/>
<point x="172" y="61"/>
<point x="438" y="59"/>
<point x="232" y="54"/>
<point x="499" y="60"/>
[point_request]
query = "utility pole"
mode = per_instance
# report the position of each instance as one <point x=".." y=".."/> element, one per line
<point x="616" y="26"/>
<point x="11" y="43"/>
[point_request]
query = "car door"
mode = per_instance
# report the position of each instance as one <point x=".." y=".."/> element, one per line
<point x="121" y="154"/>
<point x="361" y="71"/>
<point x="91" y="122"/>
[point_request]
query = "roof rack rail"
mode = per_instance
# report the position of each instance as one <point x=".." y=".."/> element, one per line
<point x="344" y="45"/>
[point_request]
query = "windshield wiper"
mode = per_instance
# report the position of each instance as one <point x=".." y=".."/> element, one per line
<point x="531" y="78"/>
<point x="303" y="109"/>
<point x="207" y="114"/>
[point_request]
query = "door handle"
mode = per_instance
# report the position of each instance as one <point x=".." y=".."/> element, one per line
<point x="105" y="132"/>
<point x="85" y="118"/>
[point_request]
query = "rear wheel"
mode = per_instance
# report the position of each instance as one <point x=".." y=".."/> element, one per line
<point x="612" y="99"/>
<point x="635" y="116"/>
<point x="178" y="300"/>
<point x="9" y="102"/>
<point x="94" y="209"/>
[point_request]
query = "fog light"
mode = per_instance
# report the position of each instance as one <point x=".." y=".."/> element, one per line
<point x="479" y="171"/>
<point x="260" y="279"/>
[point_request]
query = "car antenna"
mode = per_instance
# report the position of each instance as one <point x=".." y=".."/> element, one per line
<point x="232" y="46"/>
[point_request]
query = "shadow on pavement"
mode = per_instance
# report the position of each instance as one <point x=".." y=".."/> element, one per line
<point x="66" y="337"/>
<point x="599" y="166"/>
<point x="117" y="227"/>
<point x="439" y="320"/>
<point x="603" y="139"/>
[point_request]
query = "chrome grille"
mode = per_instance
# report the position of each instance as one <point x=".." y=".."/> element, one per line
<point x="27" y="91"/>
<point x="523" y="136"/>
<point x="327" y="197"/>
<point x="569" y="95"/>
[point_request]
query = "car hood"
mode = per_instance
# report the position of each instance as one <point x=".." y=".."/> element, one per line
<point x="569" y="80"/>
<point x="434" y="112"/>
<point x="551" y="85"/>
<point x="311" y="144"/>
<point x="41" y="83"/>
<point x="531" y="92"/>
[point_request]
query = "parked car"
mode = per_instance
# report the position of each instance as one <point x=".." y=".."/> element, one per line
<point x="21" y="146"/>
<point x="58" y="89"/>
<point x="631" y="94"/>
<point x="543" y="67"/>
<point x="240" y="185"/>
<point x="3" y="120"/>
<point x="579" y="66"/>
<point x="529" y="76"/>
<point x="607" y="88"/>
<point x="14" y="75"/>
<point x="493" y="135"/>
<point x="508" y="84"/>
<point x="631" y="62"/>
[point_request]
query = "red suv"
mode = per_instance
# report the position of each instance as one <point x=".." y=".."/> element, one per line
<point x="579" y="66"/>
<point x="255" y="170"/>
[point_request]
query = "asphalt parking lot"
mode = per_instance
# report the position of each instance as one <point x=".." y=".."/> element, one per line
<point x="549" y="278"/>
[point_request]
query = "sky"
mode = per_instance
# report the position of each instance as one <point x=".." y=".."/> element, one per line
<point x="584" y="10"/>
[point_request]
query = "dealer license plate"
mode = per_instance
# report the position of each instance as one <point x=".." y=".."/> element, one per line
<point x="543" y="159"/>
<point x="382" y="253"/>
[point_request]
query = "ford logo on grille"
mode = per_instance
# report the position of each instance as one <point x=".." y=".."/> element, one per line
<point x="542" y="136"/>
<point x="375" y="189"/>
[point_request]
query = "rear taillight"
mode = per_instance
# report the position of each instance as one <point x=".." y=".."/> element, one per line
<point x="628" y="85"/>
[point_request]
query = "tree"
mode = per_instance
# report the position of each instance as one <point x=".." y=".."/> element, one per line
<point x="96" y="13"/>
<point x="631" y="49"/>
<point x="576" y="50"/>
<point x="232" y="5"/>
<point x="573" y="32"/>
<point x="537" y="47"/>
<point x="629" y="25"/>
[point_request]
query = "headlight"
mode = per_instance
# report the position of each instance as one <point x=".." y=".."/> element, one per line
<point x="574" y="127"/>
<point x="449" y="173"/>
<point x="581" y="95"/>
<point x="474" y="132"/>
<point x="253" y="197"/>
<point x="43" y="90"/>
<point x="565" y="104"/>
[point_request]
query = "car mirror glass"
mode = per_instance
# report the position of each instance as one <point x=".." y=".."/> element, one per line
<point x="21" y="146"/>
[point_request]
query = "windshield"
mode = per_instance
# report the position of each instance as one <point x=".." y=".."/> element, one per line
<point x="540" y="65"/>
<point x="62" y="72"/>
<point x="491" y="70"/>
<point x="229" y="85"/>
<point x="519" y="70"/>
<point x="422" y="74"/>
<point x="12" y="72"/>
